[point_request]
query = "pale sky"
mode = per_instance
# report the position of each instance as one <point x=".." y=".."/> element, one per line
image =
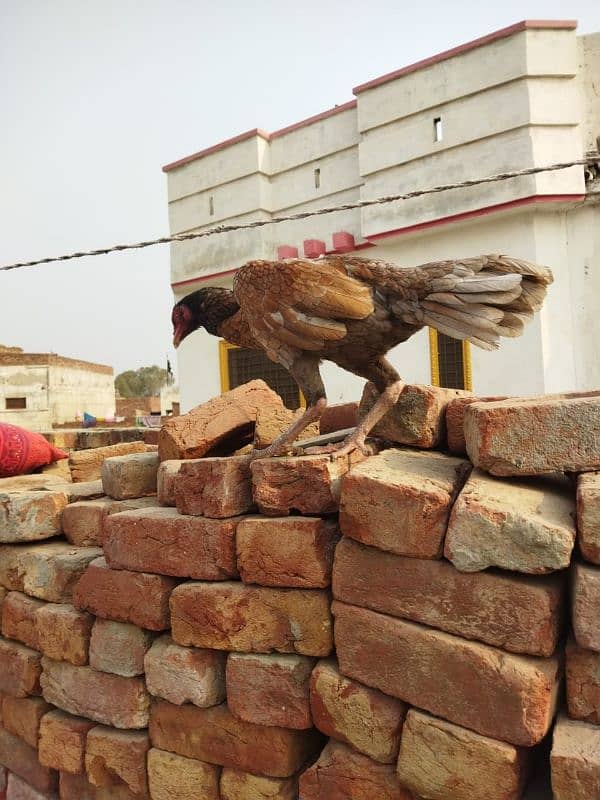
<point x="95" y="97"/>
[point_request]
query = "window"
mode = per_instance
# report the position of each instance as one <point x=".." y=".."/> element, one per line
<point x="317" y="178"/>
<point x="437" y="129"/>
<point x="211" y="205"/>
<point x="14" y="403"/>
<point x="450" y="361"/>
<point x="240" y="365"/>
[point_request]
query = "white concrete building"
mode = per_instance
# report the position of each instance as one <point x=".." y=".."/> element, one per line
<point x="521" y="97"/>
<point x="40" y="389"/>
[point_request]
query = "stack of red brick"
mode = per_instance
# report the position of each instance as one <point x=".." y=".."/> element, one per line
<point x="232" y="637"/>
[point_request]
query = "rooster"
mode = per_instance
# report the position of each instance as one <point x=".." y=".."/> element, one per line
<point x="352" y="310"/>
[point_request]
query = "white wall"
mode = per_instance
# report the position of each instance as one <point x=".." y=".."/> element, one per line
<point x="30" y="382"/>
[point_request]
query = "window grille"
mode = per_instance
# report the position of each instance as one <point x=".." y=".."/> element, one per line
<point x="450" y="361"/>
<point x="14" y="403"/>
<point x="240" y="365"/>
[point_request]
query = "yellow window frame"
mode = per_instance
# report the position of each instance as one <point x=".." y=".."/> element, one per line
<point x="435" y="360"/>
<point x="224" y="348"/>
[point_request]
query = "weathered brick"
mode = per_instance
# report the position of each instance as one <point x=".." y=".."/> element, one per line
<point x="82" y="521"/>
<point x="20" y="669"/>
<point x="64" y="632"/>
<point x="364" y="718"/>
<point x="133" y="504"/>
<point x="27" y="516"/>
<point x="136" y="597"/>
<point x="417" y="419"/>
<point x="588" y="516"/>
<point x="22" y="715"/>
<point x="586" y="606"/>
<point x="166" y="478"/>
<point x="232" y="616"/>
<point x="583" y="683"/>
<point x="105" y="698"/>
<point x="185" y="674"/>
<point x="455" y="421"/>
<point x="117" y="758"/>
<point x="338" y="417"/>
<point x="62" y="741"/>
<point x="19" y="757"/>
<point x="270" y="689"/>
<point x="287" y="551"/>
<point x="226" y="421"/>
<point x="400" y="501"/>
<point x="535" y="435"/>
<point x="86" y="465"/>
<point x="85" y="490"/>
<point x="214" y="487"/>
<point x="238" y="785"/>
<point x="46" y="571"/>
<point x="519" y="613"/>
<point x="575" y="760"/>
<point x="19" y="618"/>
<point x="173" y="777"/>
<point x="523" y="526"/>
<point x="164" y="541"/>
<point x="271" y="422"/>
<point x="132" y="475"/>
<point x="215" y="735"/>
<point x="118" y="647"/>
<point x="308" y="484"/>
<point x="439" y="760"/>
<point x="341" y="772"/>
<point x="77" y="787"/>
<point x="18" y="789"/>
<point x="498" y="694"/>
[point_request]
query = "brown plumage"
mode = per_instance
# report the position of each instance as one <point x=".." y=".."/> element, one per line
<point x="353" y="310"/>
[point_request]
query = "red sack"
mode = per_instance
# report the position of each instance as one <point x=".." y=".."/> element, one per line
<point x="22" y="451"/>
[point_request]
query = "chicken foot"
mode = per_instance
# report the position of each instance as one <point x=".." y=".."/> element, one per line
<point x="281" y="444"/>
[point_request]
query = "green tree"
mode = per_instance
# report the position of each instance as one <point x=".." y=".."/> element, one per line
<point x="142" y="382"/>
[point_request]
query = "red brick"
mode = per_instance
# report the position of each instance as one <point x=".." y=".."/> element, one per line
<point x="270" y="689"/>
<point x="238" y="785"/>
<point x="27" y="516"/>
<point x="18" y="789"/>
<point x="400" y="501"/>
<point x="214" y="487"/>
<point x="338" y="417"/>
<point x="64" y="633"/>
<point x="455" y="421"/>
<point x="3" y="782"/>
<point x="535" y="435"/>
<point x="82" y="522"/>
<point x="165" y="481"/>
<point x="136" y="597"/>
<point x="516" y="525"/>
<point x="272" y="422"/>
<point x="46" y="571"/>
<point x="286" y="551"/>
<point x="497" y="694"/>
<point x="116" y="758"/>
<point x="417" y="419"/>
<point x="357" y="715"/>
<point x="586" y="606"/>
<point x="226" y="421"/>
<point x="20" y="669"/>
<point x="118" y="647"/>
<point x="22" y="759"/>
<point x="22" y="715"/>
<point x="173" y="777"/>
<point x="164" y="541"/>
<point x="86" y="465"/>
<point x="583" y="683"/>
<point x="77" y="787"/>
<point x="440" y="760"/>
<point x="185" y="674"/>
<point x="308" y="484"/>
<point x="215" y="735"/>
<point x="19" y="618"/>
<point x="575" y="760"/>
<point x="132" y="475"/>
<point x="62" y="741"/>
<point x="588" y="516"/>
<point x="231" y="616"/>
<point x="519" y="613"/>
<point x="105" y="698"/>
<point x="343" y="774"/>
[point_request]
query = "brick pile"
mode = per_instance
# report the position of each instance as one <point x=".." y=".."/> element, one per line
<point x="390" y="627"/>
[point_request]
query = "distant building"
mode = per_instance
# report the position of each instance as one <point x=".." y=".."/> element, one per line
<point x="520" y="97"/>
<point x="38" y="390"/>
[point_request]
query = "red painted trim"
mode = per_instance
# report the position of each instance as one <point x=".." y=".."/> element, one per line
<point x="527" y="24"/>
<point x="313" y="248"/>
<point x="315" y="118"/>
<point x="478" y="212"/>
<point x="287" y="251"/>
<point x="216" y="147"/>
